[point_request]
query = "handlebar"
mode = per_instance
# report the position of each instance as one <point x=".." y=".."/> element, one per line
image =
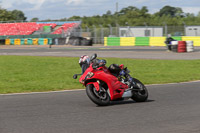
<point x="98" y="63"/>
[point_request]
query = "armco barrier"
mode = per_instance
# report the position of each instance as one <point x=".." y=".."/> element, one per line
<point x="105" y="41"/>
<point x="127" y="41"/>
<point x="178" y="38"/>
<point x="142" y="41"/>
<point x="157" y="41"/>
<point x="139" y="41"/>
<point x="113" y="41"/>
<point x="196" y="40"/>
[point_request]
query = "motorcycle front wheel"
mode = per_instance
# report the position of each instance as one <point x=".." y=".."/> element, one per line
<point x="100" y="98"/>
<point x="140" y="93"/>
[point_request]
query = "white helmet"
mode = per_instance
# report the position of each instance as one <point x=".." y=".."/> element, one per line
<point x="84" y="59"/>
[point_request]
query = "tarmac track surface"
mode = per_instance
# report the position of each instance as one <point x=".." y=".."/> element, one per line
<point x="171" y="108"/>
<point x="118" y="52"/>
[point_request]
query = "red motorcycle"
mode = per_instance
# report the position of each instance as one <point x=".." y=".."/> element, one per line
<point x="109" y="84"/>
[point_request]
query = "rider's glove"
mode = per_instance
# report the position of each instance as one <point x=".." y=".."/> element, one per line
<point x="122" y="73"/>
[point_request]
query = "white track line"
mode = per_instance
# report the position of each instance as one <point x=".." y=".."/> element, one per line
<point x="176" y="83"/>
<point x="30" y="93"/>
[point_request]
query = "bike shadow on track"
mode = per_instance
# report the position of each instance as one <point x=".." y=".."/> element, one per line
<point x="113" y="103"/>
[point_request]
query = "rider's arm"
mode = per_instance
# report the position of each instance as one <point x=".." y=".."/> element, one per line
<point x="98" y="63"/>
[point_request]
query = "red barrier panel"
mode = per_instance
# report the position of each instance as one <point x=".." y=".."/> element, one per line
<point x="181" y="46"/>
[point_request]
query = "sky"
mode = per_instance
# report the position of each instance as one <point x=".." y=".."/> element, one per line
<point x="57" y="9"/>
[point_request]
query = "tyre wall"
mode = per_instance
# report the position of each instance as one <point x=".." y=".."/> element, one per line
<point x="29" y="41"/>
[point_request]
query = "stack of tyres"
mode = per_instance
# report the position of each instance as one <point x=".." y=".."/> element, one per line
<point x="50" y="41"/>
<point x="29" y="41"/>
<point x="189" y="46"/>
<point x="12" y="41"/>
<point x="22" y="41"/>
<point x="174" y="46"/>
<point x="41" y="41"/>
<point x="35" y="41"/>
<point x="17" y="41"/>
<point x="45" y="41"/>
<point x="25" y="41"/>
<point x="181" y="46"/>
<point x="7" y="42"/>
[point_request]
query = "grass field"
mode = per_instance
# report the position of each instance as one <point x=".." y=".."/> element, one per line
<point x="33" y="74"/>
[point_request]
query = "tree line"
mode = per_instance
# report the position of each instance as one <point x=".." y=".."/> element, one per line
<point x="128" y="16"/>
<point x="14" y="15"/>
<point x="133" y="16"/>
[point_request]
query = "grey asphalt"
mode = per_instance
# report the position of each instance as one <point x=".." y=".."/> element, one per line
<point x="119" y="52"/>
<point x="172" y="108"/>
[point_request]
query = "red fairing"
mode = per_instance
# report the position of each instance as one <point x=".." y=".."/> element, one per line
<point x="116" y="88"/>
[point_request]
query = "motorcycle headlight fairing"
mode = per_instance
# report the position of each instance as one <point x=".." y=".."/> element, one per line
<point x="89" y="75"/>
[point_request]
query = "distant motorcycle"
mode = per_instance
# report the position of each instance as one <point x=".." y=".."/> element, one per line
<point x="109" y="84"/>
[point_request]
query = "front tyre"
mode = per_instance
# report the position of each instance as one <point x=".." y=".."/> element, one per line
<point x="100" y="98"/>
<point x="140" y="93"/>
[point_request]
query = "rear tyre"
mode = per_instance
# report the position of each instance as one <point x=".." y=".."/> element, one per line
<point x="140" y="93"/>
<point x="100" y="98"/>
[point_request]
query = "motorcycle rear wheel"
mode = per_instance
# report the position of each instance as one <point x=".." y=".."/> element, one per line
<point x="141" y="94"/>
<point x="101" y="99"/>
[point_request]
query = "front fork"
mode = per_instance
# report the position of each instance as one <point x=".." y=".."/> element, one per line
<point x="99" y="88"/>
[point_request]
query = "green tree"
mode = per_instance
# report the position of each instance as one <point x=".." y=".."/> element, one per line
<point x="34" y="20"/>
<point x="14" y="15"/>
<point x="74" y="18"/>
<point x="133" y="16"/>
<point x="18" y="15"/>
<point x="108" y="13"/>
<point x="172" y="11"/>
<point x="6" y="15"/>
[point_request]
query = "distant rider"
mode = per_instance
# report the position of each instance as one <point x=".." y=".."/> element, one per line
<point x="168" y="41"/>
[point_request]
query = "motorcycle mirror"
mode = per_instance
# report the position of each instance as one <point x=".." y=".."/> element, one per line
<point x="75" y="76"/>
<point x="94" y="56"/>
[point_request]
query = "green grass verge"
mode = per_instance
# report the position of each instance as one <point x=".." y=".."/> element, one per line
<point x="33" y="74"/>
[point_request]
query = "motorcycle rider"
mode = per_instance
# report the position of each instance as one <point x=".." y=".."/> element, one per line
<point x="84" y="62"/>
<point x="168" y="41"/>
